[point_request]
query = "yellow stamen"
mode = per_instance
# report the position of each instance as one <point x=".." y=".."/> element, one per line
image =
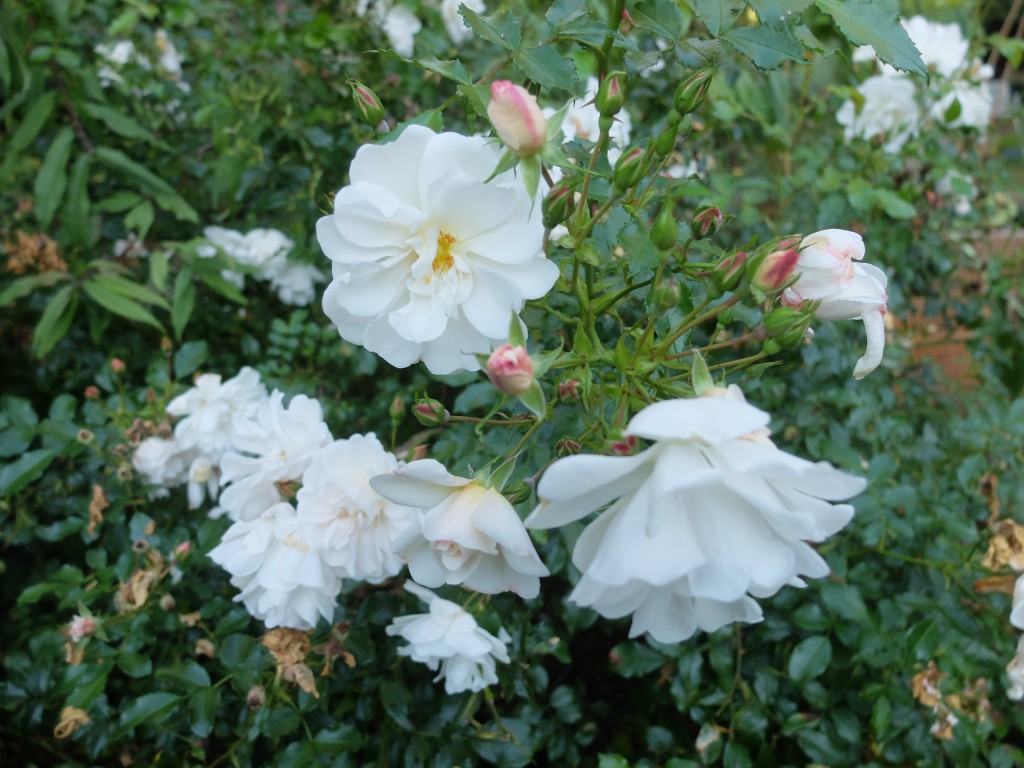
<point x="444" y="260"/>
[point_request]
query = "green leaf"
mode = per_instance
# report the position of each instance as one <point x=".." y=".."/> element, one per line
<point x="32" y="123"/>
<point x="451" y="70"/>
<point x="716" y="15"/>
<point x="29" y="467"/>
<point x="55" y="321"/>
<point x="498" y="29"/>
<point x="338" y="740"/>
<point x="202" y="710"/>
<point x="132" y="290"/>
<point x="159" y="267"/>
<point x="767" y="48"/>
<point x="190" y="675"/>
<point x="661" y="17"/>
<point x="119" y="123"/>
<point x="52" y="179"/>
<point x="188" y="359"/>
<point x="162" y="192"/>
<point x="634" y="659"/>
<point x="865" y="23"/>
<point x="23" y="286"/>
<point x="546" y="66"/>
<point x="810" y="658"/>
<point x="76" y="209"/>
<point x="184" y="301"/>
<point x="120" y="304"/>
<point x="149" y="709"/>
<point x="476" y="95"/>
<point x="140" y="218"/>
<point x="894" y="205"/>
<point x="135" y="664"/>
<point x="881" y="717"/>
<point x="778" y="12"/>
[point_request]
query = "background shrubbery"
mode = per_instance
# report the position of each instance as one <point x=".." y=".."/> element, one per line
<point x="257" y="130"/>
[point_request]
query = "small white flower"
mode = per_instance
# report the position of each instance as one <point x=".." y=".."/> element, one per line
<point x="295" y="284"/>
<point x="470" y="534"/>
<point x="276" y="561"/>
<point x="202" y="481"/>
<point x="975" y="100"/>
<point x="400" y="26"/>
<point x="454" y="24"/>
<point x="280" y="443"/>
<point x="430" y="262"/>
<point x="708" y="518"/>
<point x="267" y="250"/>
<point x="358" y="525"/>
<point x="827" y="271"/>
<point x="449" y="639"/>
<point x="1015" y="671"/>
<point x="210" y="411"/>
<point x="889" y="110"/>
<point x="162" y="462"/>
<point x="581" y="121"/>
<point x="943" y="47"/>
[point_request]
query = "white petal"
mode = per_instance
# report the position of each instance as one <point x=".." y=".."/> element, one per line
<point x="709" y="419"/>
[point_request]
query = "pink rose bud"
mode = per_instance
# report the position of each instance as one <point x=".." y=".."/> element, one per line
<point x="430" y="413"/>
<point x="397" y="408"/>
<point x="81" y="627"/>
<point x="517" y="118"/>
<point x="92" y="392"/>
<point x="569" y="390"/>
<point x="774" y="270"/>
<point x="610" y="96"/>
<point x="417" y="453"/>
<point x="117" y="365"/>
<point x="182" y="550"/>
<point x="729" y="271"/>
<point x="623" y="446"/>
<point x="567" y="447"/>
<point x="510" y="369"/>
<point x="706" y="221"/>
<point x="368" y="106"/>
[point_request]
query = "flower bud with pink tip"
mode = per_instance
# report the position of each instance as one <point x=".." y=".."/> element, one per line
<point x="517" y="118"/>
<point x="510" y="369"/>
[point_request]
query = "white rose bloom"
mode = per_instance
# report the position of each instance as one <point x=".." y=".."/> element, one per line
<point x="276" y="562"/>
<point x="708" y="518"/>
<point x="358" y="525"/>
<point x="826" y="271"/>
<point x="1015" y="671"/>
<point x="975" y="105"/>
<point x="469" y="535"/>
<point x="450" y="639"/>
<point x="431" y="263"/>
<point x="295" y="284"/>
<point x="1017" y="608"/>
<point x="962" y="205"/>
<point x="117" y="55"/>
<point x="943" y="47"/>
<point x="454" y="24"/>
<point x="280" y="442"/>
<point x="267" y="250"/>
<point x="210" y="411"/>
<point x="162" y="462"/>
<point x="890" y="110"/>
<point x="203" y="481"/>
<point x="399" y="25"/>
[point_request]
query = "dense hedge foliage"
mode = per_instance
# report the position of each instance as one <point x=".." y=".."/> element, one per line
<point x="112" y="305"/>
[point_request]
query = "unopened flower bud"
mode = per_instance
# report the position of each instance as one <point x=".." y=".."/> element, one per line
<point x="664" y="296"/>
<point x="517" y="118"/>
<point x="706" y="221"/>
<point x="629" y="168"/>
<point x="728" y="272"/>
<point x="81" y="627"/>
<point x="117" y="365"/>
<point x="786" y="325"/>
<point x="692" y="90"/>
<point x="368" y="107"/>
<point x="665" y="231"/>
<point x="85" y="437"/>
<point x="92" y="392"/>
<point x="770" y="272"/>
<point x="430" y="412"/>
<point x="569" y="390"/>
<point x="557" y="206"/>
<point x="519" y="492"/>
<point x="418" y="452"/>
<point x="397" y="408"/>
<point x="167" y="603"/>
<point x="166" y="345"/>
<point x="666" y="141"/>
<point x="256" y="697"/>
<point x="610" y="95"/>
<point x="623" y="446"/>
<point x="182" y="551"/>
<point x="510" y="369"/>
<point x="567" y="447"/>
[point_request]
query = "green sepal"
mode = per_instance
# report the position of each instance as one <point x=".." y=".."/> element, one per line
<point x="507" y="162"/>
<point x="700" y="376"/>
<point x="533" y="399"/>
